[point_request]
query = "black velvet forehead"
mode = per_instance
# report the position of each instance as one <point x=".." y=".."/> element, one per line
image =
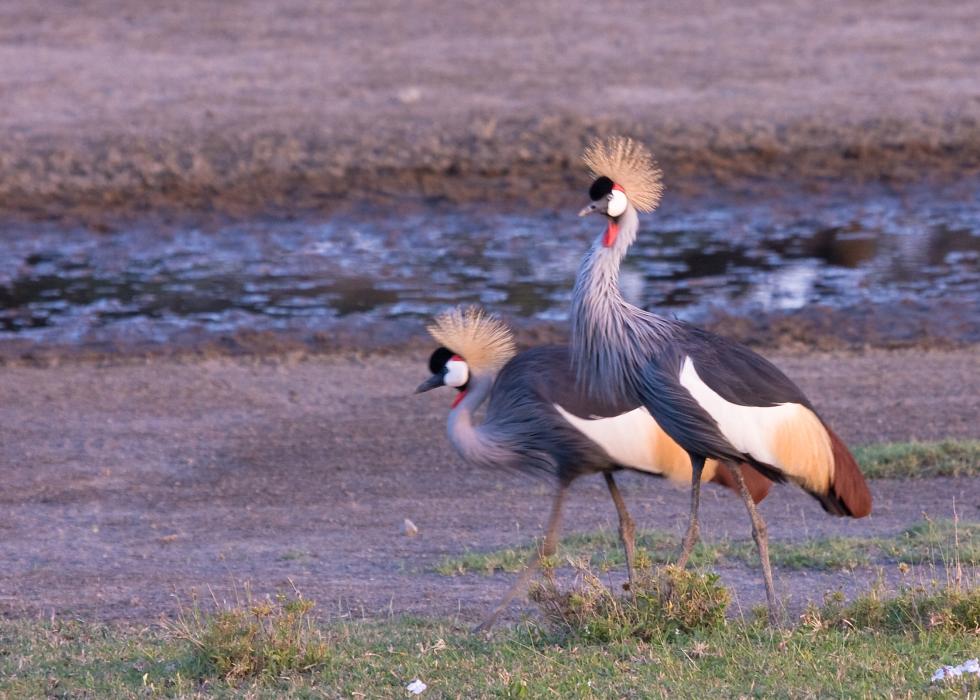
<point x="439" y="359"/>
<point x="600" y="188"/>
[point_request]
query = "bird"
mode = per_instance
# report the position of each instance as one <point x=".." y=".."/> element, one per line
<point x="715" y="397"/>
<point x="539" y="421"/>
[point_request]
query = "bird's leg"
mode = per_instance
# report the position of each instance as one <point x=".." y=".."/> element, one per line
<point x="627" y="529"/>
<point x="547" y="548"/>
<point x="761" y="537"/>
<point x="693" y="532"/>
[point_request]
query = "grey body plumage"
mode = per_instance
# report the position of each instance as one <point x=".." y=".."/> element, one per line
<point x="624" y="353"/>
<point x="522" y="430"/>
<point x="532" y="405"/>
<point x="706" y="392"/>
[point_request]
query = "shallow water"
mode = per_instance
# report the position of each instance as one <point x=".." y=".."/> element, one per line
<point x="72" y="285"/>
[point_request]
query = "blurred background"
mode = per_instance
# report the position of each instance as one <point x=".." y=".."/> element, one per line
<point x="254" y="176"/>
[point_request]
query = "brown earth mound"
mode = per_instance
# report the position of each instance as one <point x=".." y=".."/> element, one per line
<point x="292" y="105"/>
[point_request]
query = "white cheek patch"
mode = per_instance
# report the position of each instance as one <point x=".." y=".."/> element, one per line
<point x="617" y="203"/>
<point x="457" y="373"/>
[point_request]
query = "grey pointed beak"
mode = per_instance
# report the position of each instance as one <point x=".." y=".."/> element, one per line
<point x="429" y="384"/>
<point x="590" y="209"/>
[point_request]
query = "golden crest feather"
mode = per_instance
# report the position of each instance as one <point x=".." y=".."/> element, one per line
<point x="630" y="165"/>
<point x="483" y="341"/>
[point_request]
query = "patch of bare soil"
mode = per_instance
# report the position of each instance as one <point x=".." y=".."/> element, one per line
<point x="237" y="107"/>
<point x="126" y="483"/>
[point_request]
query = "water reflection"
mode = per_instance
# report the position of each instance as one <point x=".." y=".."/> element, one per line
<point x="60" y="285"/>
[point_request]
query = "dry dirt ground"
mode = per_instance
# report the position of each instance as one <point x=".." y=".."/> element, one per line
<point x="292" y="104"/>
<point x="128" y="483"/>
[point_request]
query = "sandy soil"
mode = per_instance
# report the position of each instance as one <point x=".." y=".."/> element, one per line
<point x="127" y="483"/>
<point x="292" y="105"/>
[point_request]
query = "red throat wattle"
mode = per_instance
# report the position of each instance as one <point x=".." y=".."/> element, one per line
<point x="459" y="397"/>
<point x="611" y="232"/>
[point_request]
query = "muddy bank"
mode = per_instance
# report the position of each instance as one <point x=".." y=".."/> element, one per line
<point x="214" y="174"/>
<point x="897" y="327"/>
<point x="124" y="485"/>
<point x="116" y="108"/>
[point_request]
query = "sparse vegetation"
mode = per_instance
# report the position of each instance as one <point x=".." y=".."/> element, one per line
<point x="824" y="553"/>
<point x="952" y="607"/>
<point x="661" y="602"/>
<point x="881" y="461"/>
<point x="263" y="639"/>
<point x="919" y="460"/>
<point x="671" y="643"/>
<point x="672" y="640"/>
<point x="602" y="549"/>
<point x="506" y="560"/>
<point x="931" y="541"/>
<point x="936" y="541"/>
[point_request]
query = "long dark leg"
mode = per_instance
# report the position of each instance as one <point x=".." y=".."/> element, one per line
<point x="693" y="531"/>
<point x="627" y="528"/>
<point x="761" y="537"/>
<point x="547" y="548"/>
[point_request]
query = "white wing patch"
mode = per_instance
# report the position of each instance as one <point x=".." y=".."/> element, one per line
<point x="788" y="436"/>
<point x="629" y="439"/>
<point x="750" y="429"/>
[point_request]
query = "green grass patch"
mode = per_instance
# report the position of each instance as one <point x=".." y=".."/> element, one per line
<point x="886" y="646"/>
<point x="953" y="608"/>
<point x="601" y="549"/>
<point x="938" y="542"/>
<point x="919" y="460"/>
<point x="505" y="560"/>
<point x="825" y="553"/>
<point x="935" y="542"/>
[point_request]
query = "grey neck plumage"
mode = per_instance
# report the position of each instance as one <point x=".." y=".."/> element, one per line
<point x="473" y="442"/>
<point x="611" y="338"/>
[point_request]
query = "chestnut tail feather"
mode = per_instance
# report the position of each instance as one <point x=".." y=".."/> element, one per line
<point x="849" y="494"/>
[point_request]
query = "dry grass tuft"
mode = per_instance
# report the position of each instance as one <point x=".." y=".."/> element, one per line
<point x="263" y="639"/>
<point x="953" y="607"/>
<point x="662" y="601"/>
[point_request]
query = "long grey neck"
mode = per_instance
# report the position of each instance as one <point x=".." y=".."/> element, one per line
<point x="472" y="441"/>
<point x="610" y="336"/>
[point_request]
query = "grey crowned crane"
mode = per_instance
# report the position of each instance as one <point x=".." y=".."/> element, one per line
<point x="538" y="421"/>
<point x="714" y="397"/>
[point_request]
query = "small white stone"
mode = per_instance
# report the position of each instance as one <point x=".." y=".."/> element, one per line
<point x="416" y="687"/>
<point x="409" y="528"/>
<point x="409" y="95"/>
